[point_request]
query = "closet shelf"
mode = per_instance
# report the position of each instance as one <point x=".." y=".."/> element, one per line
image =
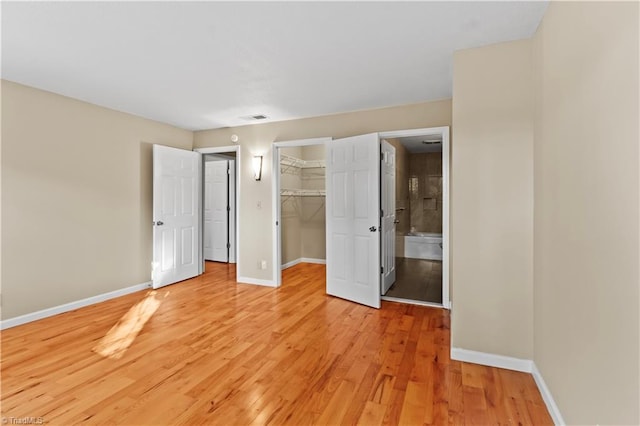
<point x="303" y="192"/>
<point x="287" y="160"/>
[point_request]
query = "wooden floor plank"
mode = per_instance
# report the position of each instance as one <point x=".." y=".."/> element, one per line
<point x="217" y="352"/>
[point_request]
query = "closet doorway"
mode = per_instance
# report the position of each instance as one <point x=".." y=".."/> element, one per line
<point x="299" y="207"/>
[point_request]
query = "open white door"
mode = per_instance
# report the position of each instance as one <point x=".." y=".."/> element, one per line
<point x="176" y="214"/>
<point x="216" y="211"/>
<point x="353" y="219"/>
<point x="388" y="201"/>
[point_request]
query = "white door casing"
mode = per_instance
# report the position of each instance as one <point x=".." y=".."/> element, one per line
<point x="352" y="219"/>
<point x="444" y="132"/>
<point x="176" y="215"/>
<point x="207" y="244"/>
<point x="216" y="211"/>
<point x="388" y="206"/>
<point x="232" y="211"/>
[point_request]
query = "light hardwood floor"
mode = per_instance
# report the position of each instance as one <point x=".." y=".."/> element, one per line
<point x="215" y="352"/>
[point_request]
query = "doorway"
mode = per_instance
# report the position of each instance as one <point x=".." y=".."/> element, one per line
<point x="421" y="221"/>
<point x="219" y="207"/>
<point x="219" y="239"/>
<point x="361" y="176"/>
<point x="298" y="204"/>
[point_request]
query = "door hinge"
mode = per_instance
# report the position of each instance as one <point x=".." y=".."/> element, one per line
<point x="228" y="208"/>
<point x="276" y="223"/>
<point x="382" y="269"/>
<point x="228" y="245"/>
<point x="381" y="213"/>
<point x="382" y="156"/>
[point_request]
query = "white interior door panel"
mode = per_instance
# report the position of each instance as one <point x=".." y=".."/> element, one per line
<point x="353" y="207"/>
<point x="176" y="204"/>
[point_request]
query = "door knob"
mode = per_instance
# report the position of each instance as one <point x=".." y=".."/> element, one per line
<point x="159" y="223"/>
<point x="373" y="229"/>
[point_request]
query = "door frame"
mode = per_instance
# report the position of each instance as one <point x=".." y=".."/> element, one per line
<point x="222" y="150"/>
<point x="231" y="172"/>
<point x="446" y="155"/>
<point x="275" y="202"/>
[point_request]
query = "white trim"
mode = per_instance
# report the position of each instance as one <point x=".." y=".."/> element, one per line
<point x="444" y="131"/>
<point x="290" y="264"/>
<point x="303" y="142"/>
<point x="517" y="364"/>
<point x="312" y="260"/>
<point x="275" y="201"/>
<point x="256" y="281"/>
<point x="415" y="132"/>
<point x="446" y="299"/>
<point x="218" y="150"/>
<point x="492" y="360"/>
<point x="276" y="216"/>
<point x="304" y="260"/>
<point x="55" y="310"/>
<point x="554" y="411"/>
<point x="410" y="301"/>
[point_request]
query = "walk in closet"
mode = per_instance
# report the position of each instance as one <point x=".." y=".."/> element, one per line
<point x="302" y="204"/>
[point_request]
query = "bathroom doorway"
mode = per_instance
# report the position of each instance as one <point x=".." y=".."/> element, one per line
<point x="421" y="216"/>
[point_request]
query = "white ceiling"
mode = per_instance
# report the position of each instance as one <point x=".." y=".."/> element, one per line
<point x="201" y="65"/>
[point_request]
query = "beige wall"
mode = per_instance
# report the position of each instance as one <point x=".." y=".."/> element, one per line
<point x="76" y="198"/>
<point x="586" y="210"/>
<point x="492" y="200"/>
<point x="256" y="223"/>
<point x="290" y="230"/>
<point x="313" y="226"/>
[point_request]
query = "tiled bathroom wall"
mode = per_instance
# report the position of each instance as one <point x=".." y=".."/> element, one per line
<point x="425" y="192"/>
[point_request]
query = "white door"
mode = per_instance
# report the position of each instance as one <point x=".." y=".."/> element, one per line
<point x="353" y="219"/>
<point x="176" y="204"/>
<point x="216" y="211"/>
<point x="388" y="201"/>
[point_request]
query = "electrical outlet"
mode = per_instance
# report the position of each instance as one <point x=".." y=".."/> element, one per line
<point x="263" y="264"/>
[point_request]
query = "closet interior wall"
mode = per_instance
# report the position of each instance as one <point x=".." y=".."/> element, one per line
<point x="302" y="203"/>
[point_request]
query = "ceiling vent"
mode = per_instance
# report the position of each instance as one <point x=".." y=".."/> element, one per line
<point x="255" y="117"/>
<point x="434" y="142"/>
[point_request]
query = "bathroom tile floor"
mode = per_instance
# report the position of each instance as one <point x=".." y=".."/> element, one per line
<point x="417" y="279"/>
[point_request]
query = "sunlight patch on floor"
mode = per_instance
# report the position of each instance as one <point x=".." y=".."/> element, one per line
<point x="115" y="343"/>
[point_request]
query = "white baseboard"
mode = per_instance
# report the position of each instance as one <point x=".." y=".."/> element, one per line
<point x="256" y="281"/>
<point x="517" y="364"/>
<point x="304" y="260"/>
<point x="547" y="397"/>
<point x="290" y="264"/>
<point x="492" y="360"/>
<point x="49" y="312"/>
<point x="312" y="260"/>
